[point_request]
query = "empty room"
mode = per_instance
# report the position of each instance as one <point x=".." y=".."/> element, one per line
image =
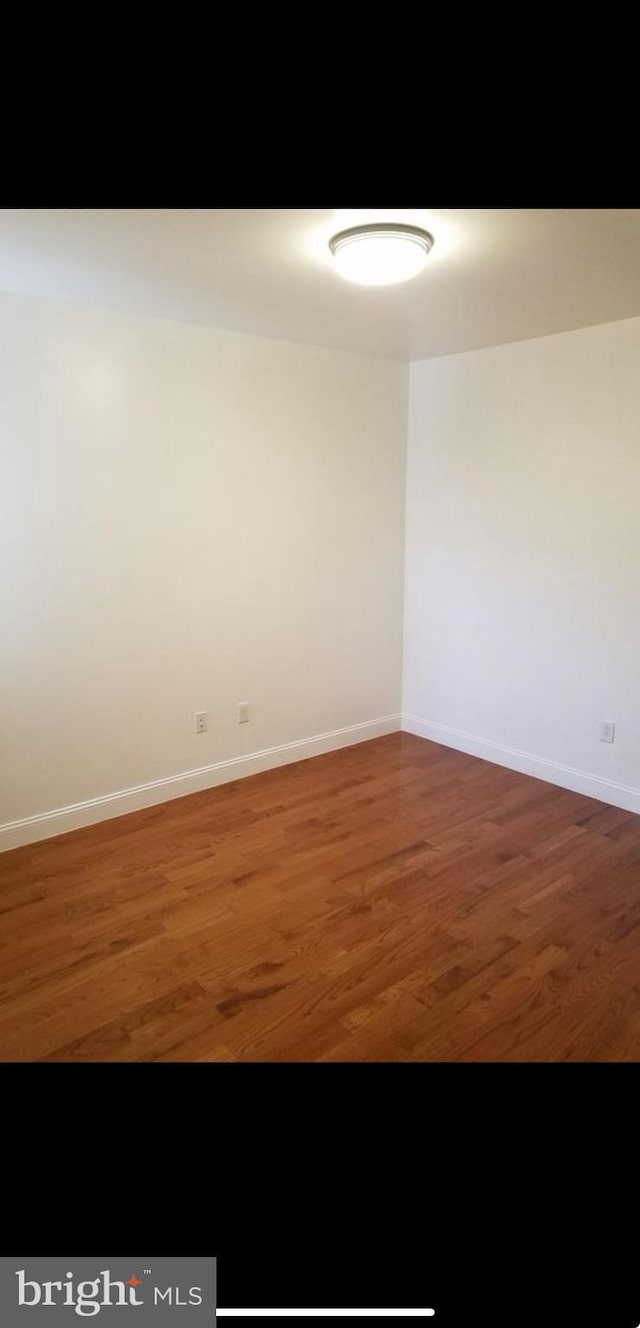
<point x="319" y="721"/>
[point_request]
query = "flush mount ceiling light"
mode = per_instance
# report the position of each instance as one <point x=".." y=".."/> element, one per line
<point x="380" y="254"/>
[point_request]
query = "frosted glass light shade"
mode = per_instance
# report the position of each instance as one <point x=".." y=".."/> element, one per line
<point x="380" y="254"/>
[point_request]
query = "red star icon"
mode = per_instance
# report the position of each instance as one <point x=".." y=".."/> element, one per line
<point x="134" y="1281"/>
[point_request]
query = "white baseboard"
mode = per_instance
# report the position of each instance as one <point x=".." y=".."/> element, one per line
<point x="579" y="781"/>
<point x="32" y="828"/>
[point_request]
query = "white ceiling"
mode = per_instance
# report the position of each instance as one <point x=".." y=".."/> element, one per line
<point x="494" y="275"/>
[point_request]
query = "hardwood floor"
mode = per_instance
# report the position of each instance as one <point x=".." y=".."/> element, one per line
<point x="391" y="901"/>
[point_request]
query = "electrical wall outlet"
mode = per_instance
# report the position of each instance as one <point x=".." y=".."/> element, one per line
<point x="607" y="731"/>
<point x="201" y="721"/>
<point x="243" y="712"/>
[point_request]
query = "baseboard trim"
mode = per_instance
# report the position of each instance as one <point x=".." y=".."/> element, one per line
<point x="13" y="834"/>
<point x="579" y="781"/>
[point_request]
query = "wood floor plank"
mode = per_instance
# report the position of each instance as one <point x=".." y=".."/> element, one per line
<point x="395" y="900"/>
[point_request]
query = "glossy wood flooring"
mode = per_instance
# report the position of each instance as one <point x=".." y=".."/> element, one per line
<point x="392" y="901"/>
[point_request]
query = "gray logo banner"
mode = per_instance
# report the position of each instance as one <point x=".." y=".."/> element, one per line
<point x="71" y="1291"/>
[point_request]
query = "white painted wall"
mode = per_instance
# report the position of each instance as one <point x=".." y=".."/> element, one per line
<point x="192" y="518"/>
<point x="189" y="518"/>
<point x="523" y="556"/>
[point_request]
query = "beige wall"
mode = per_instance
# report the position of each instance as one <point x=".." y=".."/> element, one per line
<point x="189" y="519"/>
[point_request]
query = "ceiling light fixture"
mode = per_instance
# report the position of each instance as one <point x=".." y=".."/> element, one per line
<point x="380" y="254"/>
